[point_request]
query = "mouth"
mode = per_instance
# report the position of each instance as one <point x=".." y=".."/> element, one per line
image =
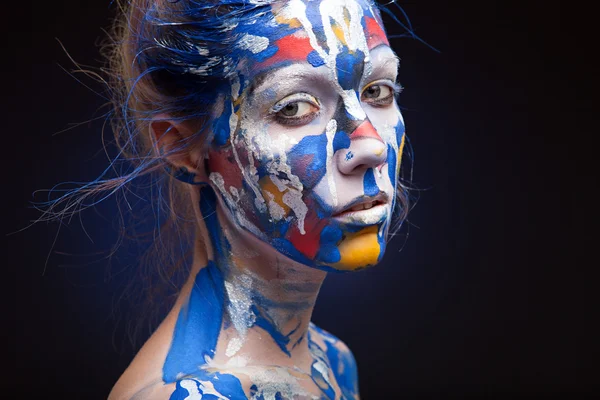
<point x="366" y="211"/>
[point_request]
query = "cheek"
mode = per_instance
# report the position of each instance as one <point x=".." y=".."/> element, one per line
<point x="308" y="160"/>
<point x="223" y="162"/>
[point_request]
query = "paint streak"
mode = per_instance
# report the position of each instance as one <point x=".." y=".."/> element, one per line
<point x="191" y="346"/>
<point x="369" y="184"/>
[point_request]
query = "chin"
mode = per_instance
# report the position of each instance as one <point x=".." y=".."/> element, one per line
<point x="356" y="251"/>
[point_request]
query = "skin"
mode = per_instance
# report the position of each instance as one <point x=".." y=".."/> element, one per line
<point x="307" y="129"/>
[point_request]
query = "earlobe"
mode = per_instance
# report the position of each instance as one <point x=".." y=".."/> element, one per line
<point x="176" y="143"/>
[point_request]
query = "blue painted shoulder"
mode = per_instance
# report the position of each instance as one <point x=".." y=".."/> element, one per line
<point x="342" y="362"/>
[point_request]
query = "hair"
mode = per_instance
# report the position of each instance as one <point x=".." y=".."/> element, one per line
<point x="168" y="57"/>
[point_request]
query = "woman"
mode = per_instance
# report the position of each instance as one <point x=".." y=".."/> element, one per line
<point x="279" y="122"/>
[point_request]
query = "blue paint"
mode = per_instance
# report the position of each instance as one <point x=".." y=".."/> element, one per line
<point x="343" y="366"/>
<point x="381" y="240"/>
<point x="399" y="133"/>
<point x="220" y="126"/>
<point x="319" y="355"/>
<point x="225" y="384"/>
<point x="341" y="140"/>
<point x="369" y="184"/>
<point x="391" y="160"/>
<point x="349" y="156"/>
<point x="329" y="254"/>
<point x="349" y="66"/>
<point x="310" y="157"/>
<point x="228" y="385"/>
<point x="181" y="393"/>
<point x="331" y="234"/>
<point x="286" y="247"/>
<point x="255" y="396"/>
<point x="198" y="325"/>
<point x="315" y="59"/>
<point x="261" y="56"/>
<point x="263" y="321"/>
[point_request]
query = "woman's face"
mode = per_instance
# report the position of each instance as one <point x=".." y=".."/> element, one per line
<point x="307" y="143"/>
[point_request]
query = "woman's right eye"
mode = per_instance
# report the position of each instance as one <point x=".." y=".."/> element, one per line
<point x="296" y="112"/>
<point x="297" y="109"/>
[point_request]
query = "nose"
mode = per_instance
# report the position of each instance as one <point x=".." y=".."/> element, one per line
<point x="367" y="150"/>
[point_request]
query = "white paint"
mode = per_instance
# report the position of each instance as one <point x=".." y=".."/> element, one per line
<point x="277" y="212"/>
<point x="203" y="51"/>
<point x="217" y="179"/>
<point x="330" y="130"/>
<point x="293" y="199"/>
<point x="192" y="388"/>
<point x="234" y="345"/>
<point x="253" y="43"/>
<point x="235" y="88"/>
<point x="354" y="37"/>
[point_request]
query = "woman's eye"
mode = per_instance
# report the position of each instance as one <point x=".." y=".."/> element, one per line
<point x="296" y="113"/>
<point x="378" y="95"/>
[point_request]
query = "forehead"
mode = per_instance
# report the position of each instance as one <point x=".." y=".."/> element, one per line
<point x="325" y="32"/>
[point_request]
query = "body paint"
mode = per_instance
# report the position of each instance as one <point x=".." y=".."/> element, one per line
<point x="287" y="190"/>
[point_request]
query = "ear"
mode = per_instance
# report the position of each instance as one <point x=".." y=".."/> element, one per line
<point x="179" y="143"/>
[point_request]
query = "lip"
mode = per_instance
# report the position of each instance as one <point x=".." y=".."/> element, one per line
<point x="372" y="210"/>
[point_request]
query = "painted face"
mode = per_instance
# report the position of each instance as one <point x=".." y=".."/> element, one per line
<point x="307" y="142"/>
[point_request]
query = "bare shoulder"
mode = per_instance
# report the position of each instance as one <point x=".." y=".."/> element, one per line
<point x="333" y="344"/>
<point x="341" y="360"/>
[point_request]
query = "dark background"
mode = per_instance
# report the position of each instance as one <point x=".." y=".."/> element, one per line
<point x="491" y="292"/>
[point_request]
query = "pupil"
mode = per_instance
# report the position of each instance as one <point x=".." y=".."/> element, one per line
<point x="374" y="91"/>
<point x="290" y="110"/>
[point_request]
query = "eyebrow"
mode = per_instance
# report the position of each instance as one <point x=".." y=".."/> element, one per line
<point x="266" y="77"/>
<point x="391" y="62"/>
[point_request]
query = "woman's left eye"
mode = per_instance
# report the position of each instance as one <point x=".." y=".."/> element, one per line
<point x="378" y="94"/>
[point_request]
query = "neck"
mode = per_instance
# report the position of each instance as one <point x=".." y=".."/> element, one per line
<point x="249" y="305"/>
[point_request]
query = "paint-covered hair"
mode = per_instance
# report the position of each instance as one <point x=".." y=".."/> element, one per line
<point x="170" y="57"/>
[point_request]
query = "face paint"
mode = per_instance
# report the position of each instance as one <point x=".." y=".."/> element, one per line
<point x="308" y="142"/>
<point x="306" y="146"/>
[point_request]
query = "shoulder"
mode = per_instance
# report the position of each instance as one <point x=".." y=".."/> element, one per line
<point x="340" y="357"/>
<point x="210" y="386"/>
<point x="334" y="346"/>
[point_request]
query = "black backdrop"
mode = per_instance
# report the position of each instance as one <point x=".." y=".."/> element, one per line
<point x="489" y="294"/>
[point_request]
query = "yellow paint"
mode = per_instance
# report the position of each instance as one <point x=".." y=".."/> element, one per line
<point x="267" y="185"/>
<point x="400" y="150"/>
<point x="292" y="22"/>
<point x="339" y="33"/>
<point x="379" y="152"/>
<point x="359" y="249"/>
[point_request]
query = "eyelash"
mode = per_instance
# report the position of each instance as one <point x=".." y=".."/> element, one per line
<point x="396" y="89"/>
<point x="295" y="121"/>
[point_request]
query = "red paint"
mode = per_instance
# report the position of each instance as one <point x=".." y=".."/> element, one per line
<point x="290" y="48"/>
<point x="223" y="162"/>
<point x="307" y="244"/>
<point x="375" y="35"/>
<point x="366" y="129"/>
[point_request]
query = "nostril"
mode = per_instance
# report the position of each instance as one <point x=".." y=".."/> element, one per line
<point x="362" y="154"/>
